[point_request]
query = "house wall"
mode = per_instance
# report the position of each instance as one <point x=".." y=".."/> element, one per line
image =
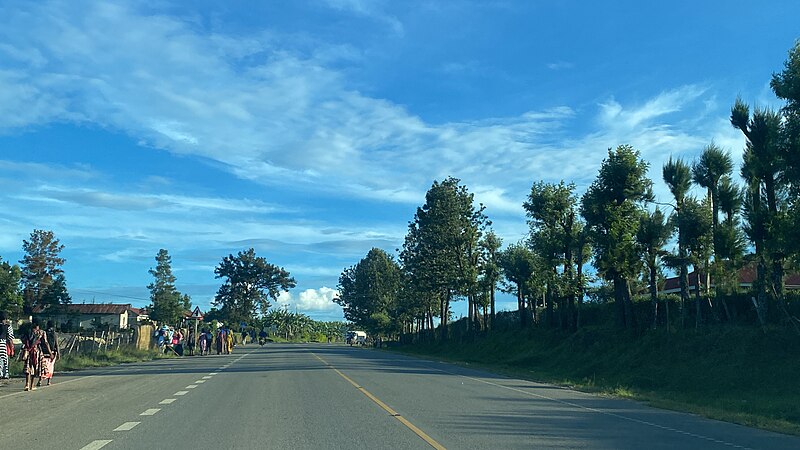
<point x="87" y="321"/>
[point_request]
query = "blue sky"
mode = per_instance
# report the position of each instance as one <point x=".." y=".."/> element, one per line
<point x="311" y="130"/>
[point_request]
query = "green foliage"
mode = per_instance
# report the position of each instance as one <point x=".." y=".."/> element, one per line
<point x="250" y="283"/>
<point x="10" y="293"/>
<point x="369" y="293"/>
<point x="168" y="305"/>
<point x="41" y="265"/>
<point x="440" y="252"/>
<point x="612" y="207"/>
<point x="737" y="374"/>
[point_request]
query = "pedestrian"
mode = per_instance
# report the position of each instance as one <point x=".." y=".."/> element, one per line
<point x="203" y="343"/>
<point x="244" y="337"/>
<point x="229" y="336"/>
<point x="221" y="341"/>
<point x="190" y="342"/>
<point x="49" y="358"/>
<point x="6" y="344"/>
<point x="32" y="354"/>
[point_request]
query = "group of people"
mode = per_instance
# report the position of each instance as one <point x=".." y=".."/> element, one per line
<point x="39" y="351"/>
<point x="223" y="340"/>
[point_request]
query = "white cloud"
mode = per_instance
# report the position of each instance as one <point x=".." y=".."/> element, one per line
<point x="560" y="65"/>
<point x="311" y="300"/>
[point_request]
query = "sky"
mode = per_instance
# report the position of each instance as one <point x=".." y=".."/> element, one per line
<point x="311" y="130"/>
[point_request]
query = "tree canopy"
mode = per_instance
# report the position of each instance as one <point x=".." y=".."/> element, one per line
<point x="250" y="282"/>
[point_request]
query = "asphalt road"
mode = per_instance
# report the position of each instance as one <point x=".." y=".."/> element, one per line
<point x="333" y="396"/>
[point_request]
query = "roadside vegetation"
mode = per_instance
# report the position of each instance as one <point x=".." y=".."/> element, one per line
<point x="735" y="373"/>
<point x="589" y="277"/>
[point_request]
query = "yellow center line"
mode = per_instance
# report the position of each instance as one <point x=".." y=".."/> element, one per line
<point x="386" y="407"/>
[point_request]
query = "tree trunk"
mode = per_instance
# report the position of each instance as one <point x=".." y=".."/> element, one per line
<point x="523" y="317"/>
<point x="684" y="283"/>
<point x="697" y="297"/>
<point x="470" y="312"/>
<point x="654" y="294"/>
<point x="548" y="299"/>
<point x="491" y="299"/>
<point x="620" y="288"/>
<point x="580" y="287"/>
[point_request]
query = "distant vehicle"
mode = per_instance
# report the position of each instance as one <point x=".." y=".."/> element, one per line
<point x="356" y="338"/>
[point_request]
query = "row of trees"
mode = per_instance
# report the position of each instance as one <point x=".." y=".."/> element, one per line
<point x="450" y="252"/>
<point x="292" y="326"/>
<point x="38" y="280"/>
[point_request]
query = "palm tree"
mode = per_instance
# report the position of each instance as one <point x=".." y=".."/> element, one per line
<point x="714" y="164"/>
<point x="677" y="176"/>
<point x="762" y="169"/>
<point x="651" y="237"/>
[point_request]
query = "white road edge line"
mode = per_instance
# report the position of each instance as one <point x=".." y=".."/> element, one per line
<point x="95" y="445"/>
<point x="150" y="412"/>
<point x="127" y="426"/>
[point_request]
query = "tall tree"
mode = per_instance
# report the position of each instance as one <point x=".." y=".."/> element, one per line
<point x="762" y="169"/>
<point x="552" y="217"/>
<point x="694" y="219"/>
<point x="708" y="171"/>
<point x="612" y="207"/>
<point x="440" y="249"/>
<point x="713" y="164"/>
<point x="651" y="238"/>
<point x="10" y="293"/>
<point x="677" y="176"/>
<point x="41" y="264"/>
<point x="250" y="283"/>
<point x="369" y="293"/>
<point x="519" y="267"/>
<point x="168" y="305"/>
<point x="490" y="270"/>
<point x="57" y="293"/>
<point x="786" y="85"/>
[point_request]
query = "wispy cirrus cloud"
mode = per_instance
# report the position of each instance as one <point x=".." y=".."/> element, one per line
<point x="278" y="116"/>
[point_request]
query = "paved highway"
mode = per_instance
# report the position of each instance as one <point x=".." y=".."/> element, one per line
<point x="332" y="396"/>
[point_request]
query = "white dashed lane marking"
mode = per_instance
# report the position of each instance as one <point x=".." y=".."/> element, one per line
<point x="181" y="393"/>
<point x="191" y="386"/>
<point x="199" y="381"/>
<point x="95" y="445"/>
<point x="213" y="373"/>
<point x="166" y="401"/>
<point x="150" y="412"/>
<point x="126" y="426"/>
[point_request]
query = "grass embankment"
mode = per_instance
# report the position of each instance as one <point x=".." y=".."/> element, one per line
<point x="99" y="359"/>
<point x="739" y="375"/>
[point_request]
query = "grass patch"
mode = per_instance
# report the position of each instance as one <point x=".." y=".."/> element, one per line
<point x="739" y="375"/>
<point x="100" y="359"/>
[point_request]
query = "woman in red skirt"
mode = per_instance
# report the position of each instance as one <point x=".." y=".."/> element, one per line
<point x="33" y="355"/>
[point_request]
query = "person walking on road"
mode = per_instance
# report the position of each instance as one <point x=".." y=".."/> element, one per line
<point x="32" y="354"/>
<point x="6" y="344"/>
<point x="49" y="358"/>
<point x="203" y="341"/>
<point x="190" y="340"/>
<point x="229" y="337"/>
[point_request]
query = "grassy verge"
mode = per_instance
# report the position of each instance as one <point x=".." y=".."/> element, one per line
<point x="100" y="359"/>
<point x="739" y="375"/>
